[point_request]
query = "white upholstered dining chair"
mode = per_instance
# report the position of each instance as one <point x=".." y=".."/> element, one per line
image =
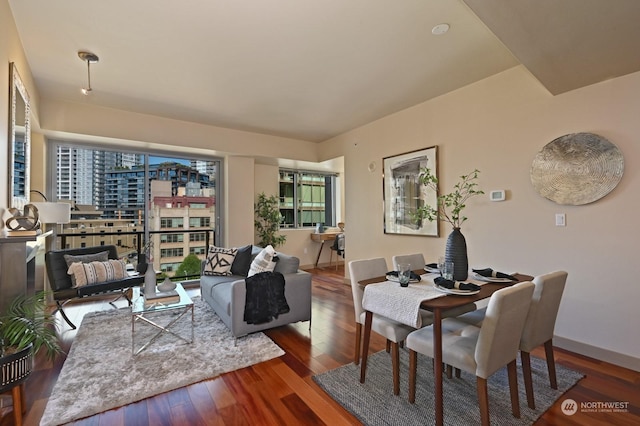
<point x="393" y="331"/>
<point x="538" y="328"/>
<point x="480" y="351"/>
<point x="416" y="260"/>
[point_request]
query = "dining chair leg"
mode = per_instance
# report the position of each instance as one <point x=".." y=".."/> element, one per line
<point x="356" y="358"/>
<point x="551" y="364"/>
<point x="395" y="364"/>
<point x="457" y="373"/>
<point x="449" y="372"/>
<point x="528" y="381"/>
<point x="413" y="365"/>
<point x="388" y="347"/>
<point x="513" y="388"/>
<point x="483" y="400"/>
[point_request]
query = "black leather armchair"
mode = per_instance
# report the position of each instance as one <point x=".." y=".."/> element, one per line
<point x="62" y="287"/>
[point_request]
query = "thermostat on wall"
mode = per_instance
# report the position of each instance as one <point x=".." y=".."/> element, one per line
<point x="497" y="195"/>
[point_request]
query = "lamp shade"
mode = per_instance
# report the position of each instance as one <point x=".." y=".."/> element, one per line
<point x="54" y="212"/>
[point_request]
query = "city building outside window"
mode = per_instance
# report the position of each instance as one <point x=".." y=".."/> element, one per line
<point x="125" y="198"/>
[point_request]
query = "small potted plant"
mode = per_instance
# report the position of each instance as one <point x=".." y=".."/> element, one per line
<point x="449" y="209"/>
<point x="26" y="326"/>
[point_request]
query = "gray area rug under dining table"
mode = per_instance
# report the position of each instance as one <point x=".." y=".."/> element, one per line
<point x="373" y="402"/>
<point x="101" y="373"/>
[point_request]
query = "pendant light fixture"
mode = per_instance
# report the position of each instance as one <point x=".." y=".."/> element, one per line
<point x="89" y="58"/>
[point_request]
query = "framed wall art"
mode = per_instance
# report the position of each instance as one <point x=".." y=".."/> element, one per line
<point x="403" y="194"/>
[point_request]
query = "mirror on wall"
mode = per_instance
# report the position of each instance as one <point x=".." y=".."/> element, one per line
<point x="19" y="140"/>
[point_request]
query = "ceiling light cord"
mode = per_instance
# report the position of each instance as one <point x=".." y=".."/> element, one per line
<point x="88" y="57"/>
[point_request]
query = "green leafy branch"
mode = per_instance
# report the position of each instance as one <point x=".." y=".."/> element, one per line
<point x="449" y="206"/>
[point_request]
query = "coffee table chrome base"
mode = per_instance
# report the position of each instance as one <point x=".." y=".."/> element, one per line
<point x="161" y="330"/>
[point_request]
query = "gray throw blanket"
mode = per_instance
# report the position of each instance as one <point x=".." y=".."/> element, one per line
<point x="265" y="298"/>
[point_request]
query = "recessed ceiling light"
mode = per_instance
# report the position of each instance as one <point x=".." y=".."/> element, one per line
<point x="440" y="29"/>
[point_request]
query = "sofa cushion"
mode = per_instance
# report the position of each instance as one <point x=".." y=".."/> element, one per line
<point x="97" y="272"/>
<point x="263" y="262"/>
<point x="287" y="264"/>
<point x="219" y="261"/>
<point x="242" y="261"/>
<point x="102" y="256"/>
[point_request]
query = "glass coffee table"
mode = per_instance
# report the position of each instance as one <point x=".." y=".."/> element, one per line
<point x="155" y="313"/>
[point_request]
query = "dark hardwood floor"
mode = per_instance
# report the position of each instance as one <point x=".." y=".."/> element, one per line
<point x="282" y="392"/>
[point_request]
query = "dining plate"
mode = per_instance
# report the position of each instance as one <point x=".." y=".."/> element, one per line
<point x="397" y="280"/>
<point x="456" y="291"/>
<point x="432" y="270"/>
<point x="491" y="279"/>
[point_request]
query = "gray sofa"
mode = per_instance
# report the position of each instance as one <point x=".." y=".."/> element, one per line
<point x="226" y="295"/>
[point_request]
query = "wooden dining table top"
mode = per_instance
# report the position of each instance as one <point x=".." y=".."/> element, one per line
<point x="453" y="301"/>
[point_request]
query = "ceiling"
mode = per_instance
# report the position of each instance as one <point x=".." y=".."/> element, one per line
<point x="309" y="69"/>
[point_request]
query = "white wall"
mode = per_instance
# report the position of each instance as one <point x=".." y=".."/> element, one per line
<point x="498" y="125"/>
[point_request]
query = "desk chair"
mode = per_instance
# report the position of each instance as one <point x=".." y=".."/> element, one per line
<point x="480" y="351"/>
<point x="338" y="247"/>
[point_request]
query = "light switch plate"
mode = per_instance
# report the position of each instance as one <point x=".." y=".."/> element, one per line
<point x="561" y="219"/>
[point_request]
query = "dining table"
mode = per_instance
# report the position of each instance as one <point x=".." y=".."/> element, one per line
<point x="438" y="306"/>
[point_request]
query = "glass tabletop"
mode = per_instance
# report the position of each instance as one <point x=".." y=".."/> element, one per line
<point x="139" y="305"/>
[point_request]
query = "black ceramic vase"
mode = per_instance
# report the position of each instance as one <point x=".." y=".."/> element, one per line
<point x="456" y="252"/>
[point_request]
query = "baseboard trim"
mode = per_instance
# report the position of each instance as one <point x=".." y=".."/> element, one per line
<point x="606" y="355"/>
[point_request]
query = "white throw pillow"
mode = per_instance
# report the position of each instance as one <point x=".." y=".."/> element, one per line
<point x="263" y="262"/>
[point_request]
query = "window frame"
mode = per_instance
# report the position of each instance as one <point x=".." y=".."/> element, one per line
<point x="291" y="206"/>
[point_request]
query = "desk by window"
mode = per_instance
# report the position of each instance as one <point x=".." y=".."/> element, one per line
<point x="321" y="238"/>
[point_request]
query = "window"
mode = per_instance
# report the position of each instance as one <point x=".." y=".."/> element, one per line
<point x="171" y="252"/>
<point x="171" y="222"/>
<point x="171" y="238"/>
<point x="197" y="250"/>
<point x="199" y="222"/>
<point x="307" y="198"/>
<point x="200" y="236"/>
<point x="129" y="198"/>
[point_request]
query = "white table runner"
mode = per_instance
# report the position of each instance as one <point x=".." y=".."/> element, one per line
<point x="402" y="304"/>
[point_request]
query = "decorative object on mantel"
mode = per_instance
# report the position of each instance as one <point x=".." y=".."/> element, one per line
<point x="23" y="223"/>
<point x="449" y="208"/>
<point x="576" y="169"/>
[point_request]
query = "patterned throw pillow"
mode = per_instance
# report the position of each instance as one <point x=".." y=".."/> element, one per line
<point x="97" y="272"/>
<point x="69" y="259"/>
<point x="264" y="261"/>
<point x="219" y="261"/>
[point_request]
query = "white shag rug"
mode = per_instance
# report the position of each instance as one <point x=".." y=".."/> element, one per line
<point x="101" y="373"/>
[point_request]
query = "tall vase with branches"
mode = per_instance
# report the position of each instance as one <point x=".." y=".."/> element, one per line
<point x="449" y="209"/>
<point x="267" y="221"/>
